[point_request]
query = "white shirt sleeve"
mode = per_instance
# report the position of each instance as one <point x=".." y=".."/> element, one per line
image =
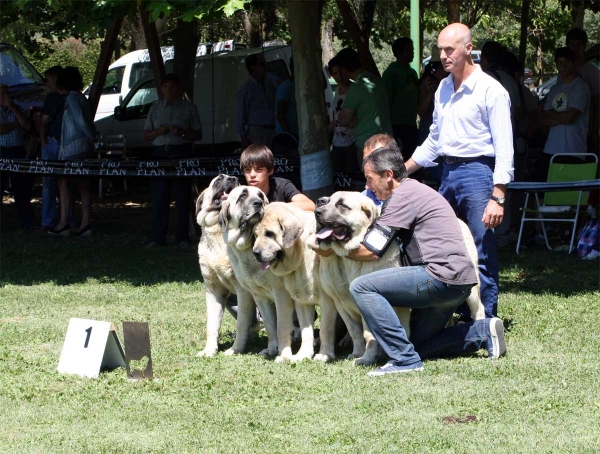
<point x="502" y="137"/>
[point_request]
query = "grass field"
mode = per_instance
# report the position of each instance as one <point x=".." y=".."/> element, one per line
<point x="544" y="396"/>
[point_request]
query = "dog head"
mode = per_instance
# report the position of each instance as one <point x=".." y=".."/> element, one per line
<point x="343" y="220"/>
<point x="209" y="201"/>
<point x="276" y="235"/>
<point x="243" y="209"/>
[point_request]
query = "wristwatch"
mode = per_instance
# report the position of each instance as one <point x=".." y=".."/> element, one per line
<point x="499" y="200"/>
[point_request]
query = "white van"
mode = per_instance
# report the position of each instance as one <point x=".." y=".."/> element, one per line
<point x="127" y="70"/>
<point x="217" y="79"/>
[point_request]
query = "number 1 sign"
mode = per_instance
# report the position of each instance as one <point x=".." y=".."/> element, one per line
<point x="90" y="346"/>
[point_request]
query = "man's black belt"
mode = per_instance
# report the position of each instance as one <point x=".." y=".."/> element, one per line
<point x="459" y="159"/>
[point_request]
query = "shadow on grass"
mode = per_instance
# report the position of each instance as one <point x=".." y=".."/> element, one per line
<point x="115" y="252"/>
<point x="539" y="270"/>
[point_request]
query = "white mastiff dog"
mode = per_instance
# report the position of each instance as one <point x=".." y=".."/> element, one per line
<point x="243" y="209"/>
<point x="218" y="275"/>
<point x="281" y="246"/>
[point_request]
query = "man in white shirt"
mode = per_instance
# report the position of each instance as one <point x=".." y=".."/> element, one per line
<point x="472" y="131"/>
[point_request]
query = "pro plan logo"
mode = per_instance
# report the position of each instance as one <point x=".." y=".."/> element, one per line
<point x="559" y="103"/>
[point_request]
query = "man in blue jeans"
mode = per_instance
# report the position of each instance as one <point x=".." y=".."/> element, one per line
<point x="438" y="275"/>
<point x="472" y="132"/>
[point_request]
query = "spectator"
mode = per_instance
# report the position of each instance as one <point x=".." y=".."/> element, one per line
<point x="173" y="124"/>
<point x="493" y="63"/>
<point x="402" y="85"/>
<point x="258" y="164"/>
<point x="471" y="130"/>
<point x="577" y="40"/>
<point x="255" y="115"/>
<point x="343" y="145"/>
<point x="366" y="108"/>
<point x="76" y="143"/>
<point x="32" y="136"/>
<point x="375" y="142"/>
<point x="50" y="132"/>
<point x="433" y="74"/>
<point x="13" y="123"/>
<point x="287" y="115"/>
<point x="566" y="112"/>
<point x="438" y="260"/>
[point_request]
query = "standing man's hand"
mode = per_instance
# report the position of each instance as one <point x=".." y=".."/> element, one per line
<point x="493" y="215"/>
<point x="494" y="211"/>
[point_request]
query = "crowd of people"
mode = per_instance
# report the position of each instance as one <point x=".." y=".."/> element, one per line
<point x="63" y="130"/>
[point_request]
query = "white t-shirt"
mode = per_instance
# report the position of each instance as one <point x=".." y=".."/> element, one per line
<point x="572" y="137"/>
<point x="342" y="136"/>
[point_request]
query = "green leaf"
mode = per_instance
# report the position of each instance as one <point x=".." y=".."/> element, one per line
<point x="232" y="6"/>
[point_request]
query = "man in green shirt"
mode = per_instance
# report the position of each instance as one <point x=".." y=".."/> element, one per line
<point x="402" y="84"/>
<point x="366" y="108"/>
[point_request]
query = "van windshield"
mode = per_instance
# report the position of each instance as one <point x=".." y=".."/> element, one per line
<point x="16" y="70"/>
<point x="114" y="80"/>
<point x="143" y="98"/>
<point x="138" y="70"/>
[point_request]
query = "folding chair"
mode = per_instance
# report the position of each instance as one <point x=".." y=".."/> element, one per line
<point x="563" y="202"/>
<point x="111" y="147"/>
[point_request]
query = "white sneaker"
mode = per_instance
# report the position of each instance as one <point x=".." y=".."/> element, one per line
<point x="592" y="255"/>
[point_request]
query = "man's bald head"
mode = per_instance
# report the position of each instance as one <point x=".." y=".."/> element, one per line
<point x="378" y="141"/>
<point x="457" y="32"/>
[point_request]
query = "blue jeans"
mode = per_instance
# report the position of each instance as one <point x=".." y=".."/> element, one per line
<point x="468" y="186"/>
<point x="50" y="153"/>
<point x="432" y="302"/>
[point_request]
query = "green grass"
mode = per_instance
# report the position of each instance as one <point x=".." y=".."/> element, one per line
<point x="544" y="396"/>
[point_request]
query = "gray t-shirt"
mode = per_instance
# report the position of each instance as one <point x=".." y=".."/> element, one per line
<point x="572" y="137"/>
<point x="181" y="113"/>
<point x="430" y="232"/>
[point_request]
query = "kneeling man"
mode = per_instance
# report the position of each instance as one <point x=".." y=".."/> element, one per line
<point x="436" y="276"/>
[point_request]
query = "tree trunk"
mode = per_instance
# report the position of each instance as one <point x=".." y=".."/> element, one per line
<point x="360" y="35"/>
<point x="252" y="32"/>
<point x="108" y="47"/>
<point x="138" y="37"/>
<point x="525" y="7"/>
<point x="327" y="41"/>
<point x="579" y="10"/>
<point x="453" y="11"/>
<point x="316" y="169"/>
<point x="539" y="65"/>
<point x="156" y="61"/>
<point x="186" y="44"/>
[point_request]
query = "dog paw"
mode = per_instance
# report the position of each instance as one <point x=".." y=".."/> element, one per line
<point x="355" y="355"/>
<point x="206" y="353"/>
<point x="365" y="361"/>
<point x="231" y="352"/>
<point x="323" y="358"/>
<point x="283" y="359"/>
<point x="268" y="352"/>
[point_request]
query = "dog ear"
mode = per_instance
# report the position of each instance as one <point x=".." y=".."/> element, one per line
<point x="292" y="230"/>
<point x="224" y="216"/>
<point x="370" y="211"/>
<point x="199" y="202"/>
